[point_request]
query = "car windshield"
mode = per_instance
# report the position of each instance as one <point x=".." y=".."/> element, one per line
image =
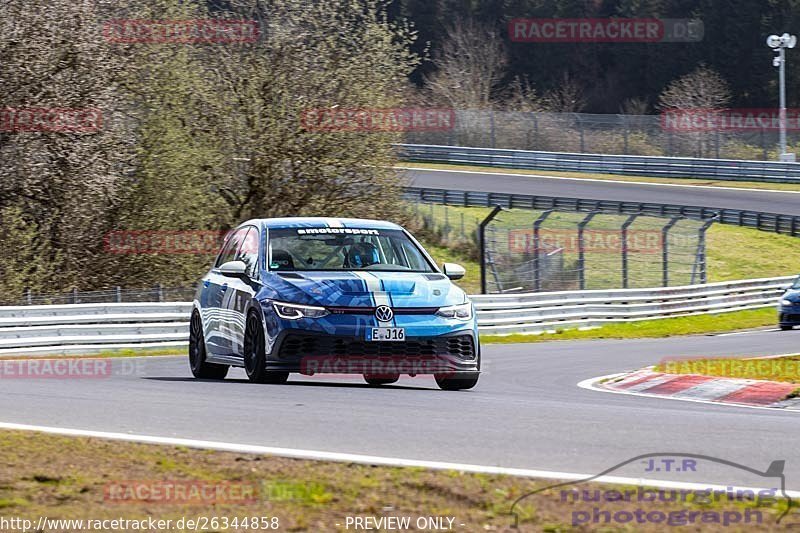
<point x="796" y="284"/>
<point x="344" y="249"/>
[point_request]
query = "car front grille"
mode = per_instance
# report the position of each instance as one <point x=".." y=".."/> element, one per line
<point x="295" y="346"/>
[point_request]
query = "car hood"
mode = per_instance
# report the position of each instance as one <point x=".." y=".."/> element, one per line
<point x="360" y="289"/>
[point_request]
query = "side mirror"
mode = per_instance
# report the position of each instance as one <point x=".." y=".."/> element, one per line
<point x="233" y="268"/>
<point x="453" y="271"/>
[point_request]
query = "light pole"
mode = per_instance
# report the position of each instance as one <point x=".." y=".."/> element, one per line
<point x="780" y="43"/>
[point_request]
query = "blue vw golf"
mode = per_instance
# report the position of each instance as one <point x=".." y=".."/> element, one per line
<point x="332" y="296"/>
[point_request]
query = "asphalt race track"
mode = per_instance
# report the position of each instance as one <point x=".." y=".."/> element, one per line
<point x="526" y="412"/>
<point x="769" y="202"/>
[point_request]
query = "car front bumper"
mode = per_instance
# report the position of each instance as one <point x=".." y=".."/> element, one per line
<point x="310" y="352"/>
<point x="789" y="315"/>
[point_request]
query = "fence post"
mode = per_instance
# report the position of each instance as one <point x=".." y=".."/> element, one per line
<point x="482" y="244"/>
<point x="624" y="133"/>
<point x="699" y="266"/>
<point x="119" y="294"/>
<point x="28" y="295"/>
<point x="159" y="293"/>
<point x="537" y="271"/>
<point x="624" y="238"/>
<point x="665" y="250"/>
<point x="74" y="295"/>
<point x="491" y="129"/>
<point x="582" y="249"/>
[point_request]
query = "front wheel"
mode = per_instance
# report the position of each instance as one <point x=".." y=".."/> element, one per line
<point x="255" y="358"/>
<point x="785" y="328"/>
<point x="459" y="382"/>
<point x="202" y="369"/>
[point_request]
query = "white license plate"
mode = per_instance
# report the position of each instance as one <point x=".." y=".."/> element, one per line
<point x="386" y="334"/>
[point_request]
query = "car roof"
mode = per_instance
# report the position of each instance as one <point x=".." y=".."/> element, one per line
<point x="321" y="222"/>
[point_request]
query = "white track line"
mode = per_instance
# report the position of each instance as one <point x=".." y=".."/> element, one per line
<point x="723" y="188"/>
<point x="371" y="459"/>
<point x="591" y="384"/>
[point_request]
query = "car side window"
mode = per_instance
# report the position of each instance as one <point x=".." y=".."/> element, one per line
<point x="248" y="252"/>
<point x="230" y="247"/>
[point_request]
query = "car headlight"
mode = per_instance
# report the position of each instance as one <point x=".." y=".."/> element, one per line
<point x="461" y="312"/>
<point x="295" y="311"/>
<point x="788" y="303"/>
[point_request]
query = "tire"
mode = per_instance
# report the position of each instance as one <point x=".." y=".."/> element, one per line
<point x="376" y="380"/>
<point x="197" y="353"/>
<point x="463" y="381"/>
<point x="785" y="328"/>
<point x="255" y="358"/>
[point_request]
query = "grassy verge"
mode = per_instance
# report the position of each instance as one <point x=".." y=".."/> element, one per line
<point x="667" y="327"/>
<point x="126" y="352"/>
<point x="588" y="175"/>
<point x="79" y="478"/>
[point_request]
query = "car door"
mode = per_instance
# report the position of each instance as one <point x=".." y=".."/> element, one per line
<point x="215" y="288"/>
<point x="241" y="290"/>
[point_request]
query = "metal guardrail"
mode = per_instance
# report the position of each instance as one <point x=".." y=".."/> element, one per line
<point x="548" y="311"/>
<point x="659" y="167"/>
<point x="87" y="328"/>
<point x="772" y="222"/>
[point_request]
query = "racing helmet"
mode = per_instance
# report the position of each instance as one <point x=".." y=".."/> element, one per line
<point x="363" y="254"/>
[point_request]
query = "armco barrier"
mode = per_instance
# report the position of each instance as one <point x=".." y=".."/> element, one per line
<point x="659" y="167"/>
<point x="87" y="328"/>
<point x="772" y="222"/>
<point x="547" y="311"/>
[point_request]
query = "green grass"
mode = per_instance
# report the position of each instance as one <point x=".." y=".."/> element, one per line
<point x="667" y="327"/>
<point x="471" y="282"/>
<point x="742" y="253"/>
<point x="589" y="175"/>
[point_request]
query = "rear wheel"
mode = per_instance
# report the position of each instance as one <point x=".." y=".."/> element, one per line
<point x="459" y="382"/>
<point x="202" y="369"/>
<point x="255" y="358"/>
<point x="381" y="379"/>
<point x="785" y="328"/>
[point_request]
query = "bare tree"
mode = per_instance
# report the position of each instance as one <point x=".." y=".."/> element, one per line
<point x="566" y="98"/>
<point x="469" y="66"/>
<point x="56" y="179"/>
<point x="522" y="96"/>
<point x="703" y="88"/>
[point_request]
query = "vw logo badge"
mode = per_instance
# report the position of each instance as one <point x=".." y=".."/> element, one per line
<point x="384" y="313"/>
